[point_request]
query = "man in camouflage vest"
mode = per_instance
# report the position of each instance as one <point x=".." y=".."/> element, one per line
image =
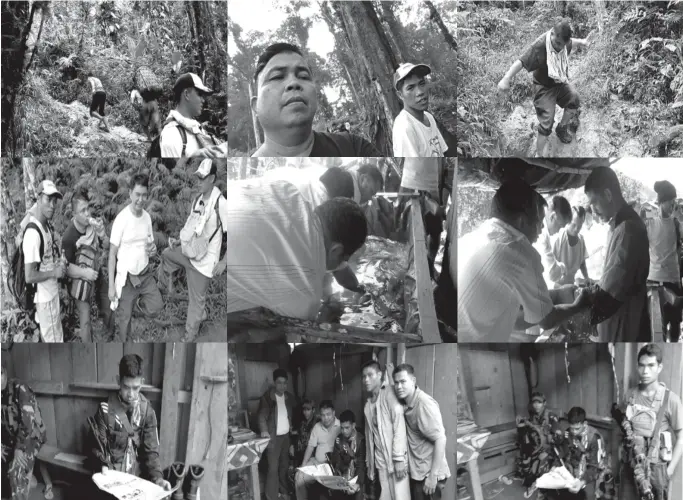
<point x="23" y="433"/>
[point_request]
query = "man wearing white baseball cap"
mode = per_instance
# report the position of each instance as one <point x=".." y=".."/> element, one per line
<point x="415" y="131"/>
<point x="43" y="265"/>
<point x="182" y="134"/>
<point x="207" y="221"/>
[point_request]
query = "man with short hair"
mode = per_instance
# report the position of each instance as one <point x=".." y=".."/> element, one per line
<point x="426" y="436"/>
<point x="500" y="271"/>
<point x="281" y="247"/>
<point x="619" y="300"/>
<point x="275" y="411"/>
<point x="548" y="57"/>
<point x="125" y="428"/>
<point x="415" y="132"/>
<point x="99" y="99"/>
<point x="23" y="434"/>
<point x="43" y="265"/>
<point x="301" y="434"/>
<point x="286" y="102"/>
<point x="569" y="249"/>
<point x="656" y="419"/>
<point x="558" y="215"/>
<point x="182" y="135"/>
<point x="367" y="182"/>
<point x="664" y="234"/>
<point x="207" y="220"/>
<point x="131" y="282"/>
<point x="85" y="234"/>
<point x="321" y="442"/>
<point x="386" y="439"/>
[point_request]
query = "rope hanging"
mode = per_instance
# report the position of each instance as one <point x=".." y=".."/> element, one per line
<point x="610" y="348"/>
<point x="566" y="362"/>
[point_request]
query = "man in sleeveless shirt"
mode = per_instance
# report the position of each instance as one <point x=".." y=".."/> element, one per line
<point x="664" y="235"/>
<point x="656" y="430"/>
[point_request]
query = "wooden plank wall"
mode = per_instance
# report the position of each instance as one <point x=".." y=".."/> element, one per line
<point x="432" y="365"/>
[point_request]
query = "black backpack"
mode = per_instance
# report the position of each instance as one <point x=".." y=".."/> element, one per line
<point x="154" y="150"/>
<point x="24" y="293"/>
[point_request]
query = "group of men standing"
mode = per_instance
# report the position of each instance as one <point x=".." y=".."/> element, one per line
<point x="131" y="287"/>
<point x="401" y="455"/>
<point x="503" y="278"/>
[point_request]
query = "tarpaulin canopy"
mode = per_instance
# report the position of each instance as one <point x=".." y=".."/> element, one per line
<point x="546" y="175"/>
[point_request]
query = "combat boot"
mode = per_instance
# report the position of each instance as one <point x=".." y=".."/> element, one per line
<point x="177" y="473"/>
<point x="195" y="473"/>
<point x="566" y="129"/>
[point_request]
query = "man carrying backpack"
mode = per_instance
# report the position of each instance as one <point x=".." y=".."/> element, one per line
<point x="199" y="253"/>
<point x="43" y="265"/>
<point x="182" y="134"/>
<point x="23" y="433"/>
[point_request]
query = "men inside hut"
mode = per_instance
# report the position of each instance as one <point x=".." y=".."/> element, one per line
<point x="182" y="135"/>
<point x="535" y="434"/>
<point x="569" y="249"/>
<point x="426" y="436"/>
<point x="98" y="100"/>
<point x="548" y="58"/>
<point x="664" y="234"/>
<point x="275" y="411"/>
<point x="499" y="271"/>
<point x="415" y="132"/>
<point x="582" y="452"/>
<point x="286" y="102"/>
<point x="300" y="434"/>
<point x="619" y="300"/>
<point x="83" y="242"/>
<point x="321" y="442"/>
<point x="656" y="417"/>
<point x="558" y="215"/>
<point x="347" y="460"/>
<point x="386" y="439"/>
<point x="126" y="434"/>
<point x="44" y="266"/>
<point x="131" y="281"/>
<point x="23" y="433"/>
<point x="269" y="267"/>
<point x="199" y="253"/>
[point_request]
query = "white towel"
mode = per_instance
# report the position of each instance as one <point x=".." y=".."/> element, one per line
<point x="558" y="62"/>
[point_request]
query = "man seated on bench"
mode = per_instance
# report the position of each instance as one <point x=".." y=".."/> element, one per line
<point x="23" y="433"/>
<point x="125" y="427"/>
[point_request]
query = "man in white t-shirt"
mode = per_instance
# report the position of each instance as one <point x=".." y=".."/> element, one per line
<point x="558" y="215"/>
<point x="281" y="247"/>
<point x="211" y="205"/>
<point x="501" y="288"/>
<point x="131" y="283"/>
<point x="415" y="131"/>
<point x="46" y="268"/>
<point x="570" y="250"/>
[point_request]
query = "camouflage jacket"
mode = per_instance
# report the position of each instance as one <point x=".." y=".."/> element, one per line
<point x="22" y="424"/>
<point x="584" y="455"/>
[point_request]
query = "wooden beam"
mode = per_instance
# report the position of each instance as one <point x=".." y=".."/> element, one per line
<point x="429" y="327"/>
<point x="168" y="439"/>
<point x="342" y="333"/>
<point x="111" y="387"/>
<point x="46" y="387"/>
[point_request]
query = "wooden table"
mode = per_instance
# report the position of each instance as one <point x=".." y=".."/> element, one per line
<point x="246" y="451"/>
<point x="467" y="448"/>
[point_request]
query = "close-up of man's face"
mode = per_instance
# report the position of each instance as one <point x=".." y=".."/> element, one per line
<point x="414" y="92"/>
<point x="287" y="95"/>
<point x="129" y="388"/>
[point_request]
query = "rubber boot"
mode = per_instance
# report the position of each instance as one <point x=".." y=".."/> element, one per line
<point x="566" y="129"/>
<point x="177" y="473"/>
<point x="195" y="474"/>
<point x="541" y="145"/>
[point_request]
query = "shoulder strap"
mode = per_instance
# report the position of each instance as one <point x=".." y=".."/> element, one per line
<point x="219" y="222"/>
<point x="678" y="233"/>
<point x="654" y="443"/>
<point x="40" y="233"/>
<point x="116" y="408"/>
<point x="183" y="136"/>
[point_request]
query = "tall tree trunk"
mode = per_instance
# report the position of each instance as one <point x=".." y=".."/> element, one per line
<point x="44" y="12"/>
<point x="254" y="119"/>
<point x="435" y="17"/>
<point x="29" y="176"/>
<point x="395" y="30"/>
<point x="8" y="227"/>
<point x="199" y="32"/>
<point x="376" y="59"/>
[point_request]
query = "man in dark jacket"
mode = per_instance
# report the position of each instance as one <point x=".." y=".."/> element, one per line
<point x="276" y="408"/>
<point x="125" y="428"/>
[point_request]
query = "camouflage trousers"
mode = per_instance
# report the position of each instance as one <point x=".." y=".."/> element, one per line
<point x="16" y="477"/>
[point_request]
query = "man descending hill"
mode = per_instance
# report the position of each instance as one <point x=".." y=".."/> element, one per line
<point x="99" y="97"/>
<point x="286" y="104"/>
<point x="548" y="59"/>
<point x="182" y="134"/>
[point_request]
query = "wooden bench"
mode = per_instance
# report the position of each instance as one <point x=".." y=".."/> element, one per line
<point x="48" y="455"/>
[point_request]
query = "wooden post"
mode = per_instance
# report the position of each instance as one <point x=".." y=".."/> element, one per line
<point x="169" y="405"/>
<point x="401" y="356"/>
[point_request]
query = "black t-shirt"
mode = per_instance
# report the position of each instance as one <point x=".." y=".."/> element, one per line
<point x="535" y="59"/>
<point x="71" y="236"/>
<point x="342" y="144"/>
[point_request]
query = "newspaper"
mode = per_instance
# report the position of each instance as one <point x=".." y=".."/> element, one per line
<point x="557" y="479"/>
<point x="129" y="487"/>
<point x="324" y="475"/>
